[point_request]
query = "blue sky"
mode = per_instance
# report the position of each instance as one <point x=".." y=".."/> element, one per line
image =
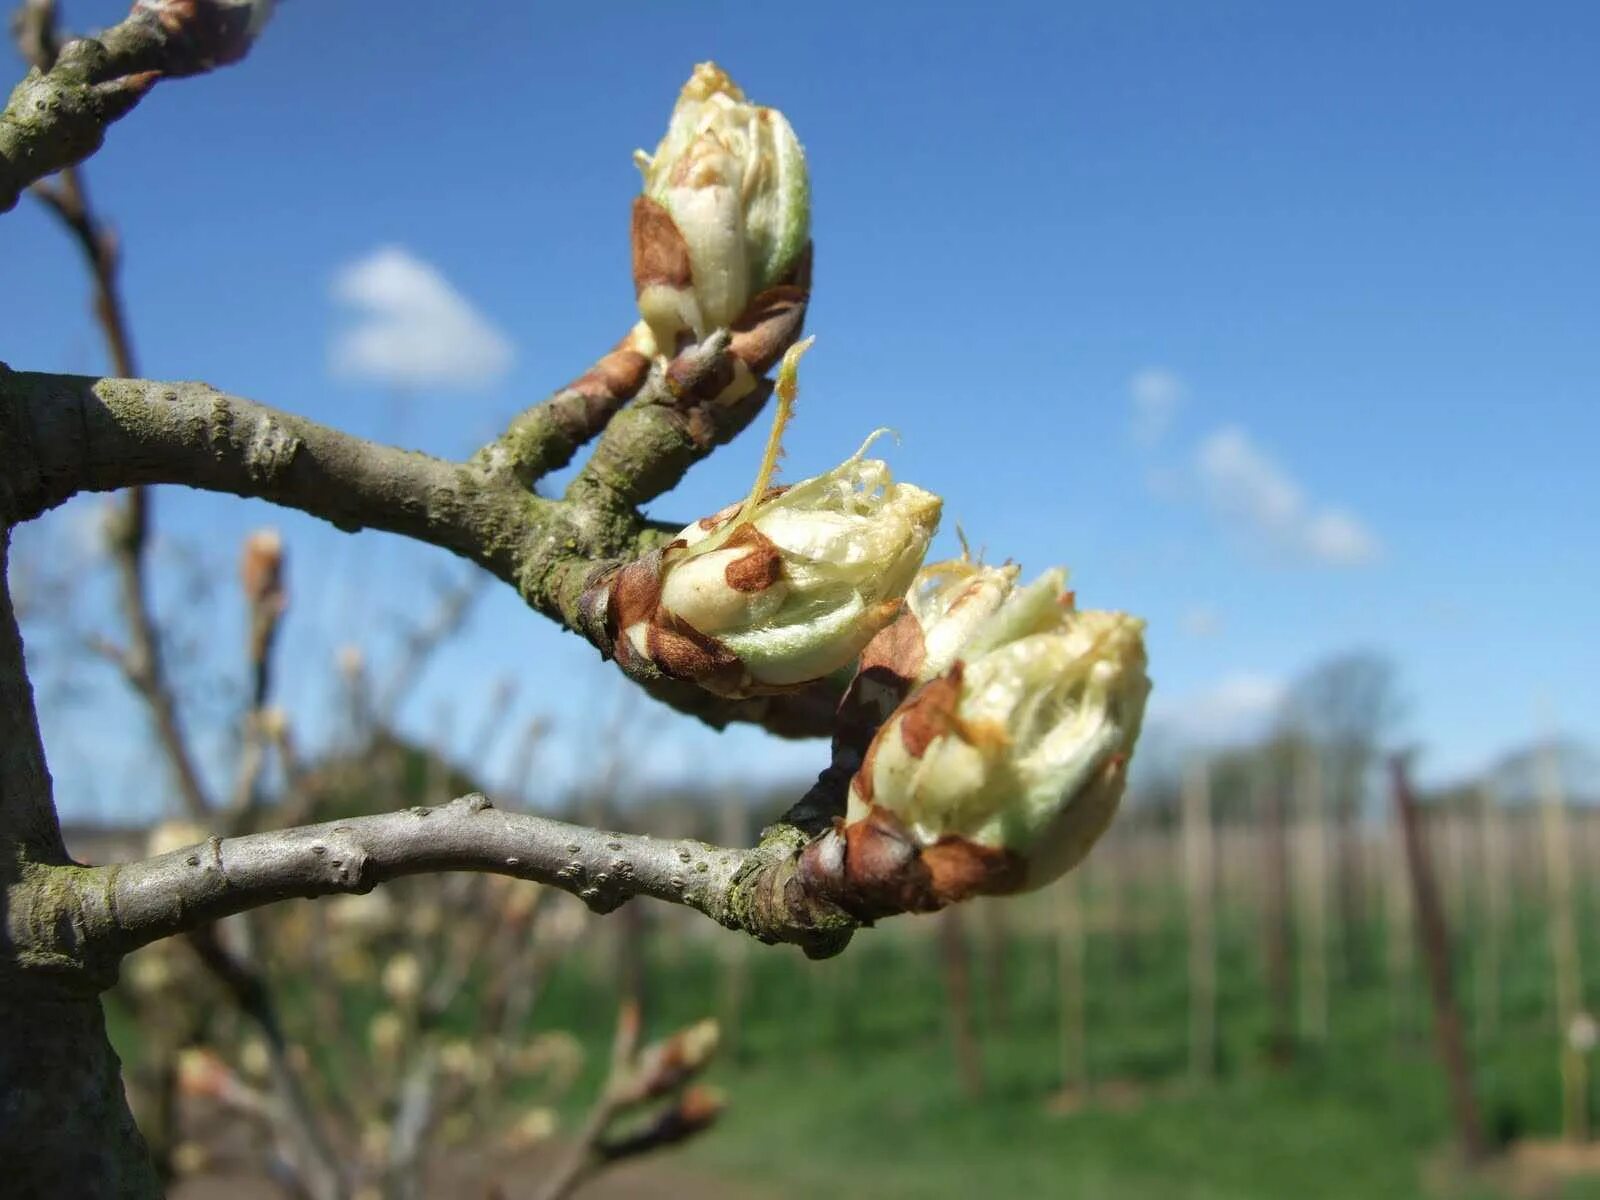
<point x="1277" y="325"/>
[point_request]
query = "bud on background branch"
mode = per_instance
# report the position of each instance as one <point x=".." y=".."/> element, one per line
<point x="207" y="33"/>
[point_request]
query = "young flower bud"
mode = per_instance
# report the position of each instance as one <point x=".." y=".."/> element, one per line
<point x="772" y="594"/>
<point x="946" y="602"/>
<point x="725" y="212"/>
<point x="261" y="569"/>
<point x="189" y="1158"/>
<point x="999" y="774"/>
<point x="945" y="605"/>
<point x="402" y="978"/>
<point x="201" y="1072"/>
<point x="208" y="33"/>
<point x="665" y="1066"/>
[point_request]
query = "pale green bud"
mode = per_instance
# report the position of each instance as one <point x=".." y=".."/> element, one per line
<point x="1009" y="766"/>
<point x="777" y="592"/>
<point x="730" y="178"/>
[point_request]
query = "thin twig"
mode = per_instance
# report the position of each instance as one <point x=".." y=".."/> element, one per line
<point x="421" y="643"/>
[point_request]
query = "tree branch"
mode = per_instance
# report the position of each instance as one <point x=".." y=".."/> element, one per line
<point x="68" y="434"/>
<point x="546" y="436"/>
<point x="700" y="400"/>
<point x="27" y="809"/>
<point x="75" y="1136"/>
<point x="143" y="662"/>
<point x="422" y="642"/>
<point x="58" y="116"/>
<point x="639" y="1078"/>
<point x="122" y="907"/>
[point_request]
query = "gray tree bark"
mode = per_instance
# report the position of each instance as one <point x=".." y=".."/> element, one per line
<point x="65" y="1128"/>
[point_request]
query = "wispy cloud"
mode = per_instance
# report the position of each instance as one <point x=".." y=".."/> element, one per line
<point x="412" y="328"/>
<point x="1155" y="395"/>
<point x="1258" y="498"/>
<point x="1236" y="708"/>
<point x="1200" y="622"/>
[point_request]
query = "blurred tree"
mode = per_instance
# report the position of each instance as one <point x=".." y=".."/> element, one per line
<point x="1350" y="706"/>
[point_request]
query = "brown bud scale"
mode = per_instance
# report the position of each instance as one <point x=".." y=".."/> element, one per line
<point x="758" y="570"/>
<point x="660" y="255"/>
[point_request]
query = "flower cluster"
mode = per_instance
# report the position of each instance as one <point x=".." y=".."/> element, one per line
<point x="982" y="741"/>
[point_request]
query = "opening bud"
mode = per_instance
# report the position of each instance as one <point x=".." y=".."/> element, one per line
<point x="946" y="602"/>
<point x="945" y="606"/>
<point x="1000" y="773"/>
<point x="776" y="592"/>
<point x="725" y="214"/>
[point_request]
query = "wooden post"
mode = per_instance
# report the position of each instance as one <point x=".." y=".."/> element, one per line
<point x="996" y="964"/>
<point x="1071" y="945"/>
<point x="1199" y="861"/>
<point x="957" y="963"/>
<point x="1275" y="928"/>
<point x="1458" y="883"/>
<point x="1399" y="928"/>
<point x="1492" y="862"/>
<point x="1563" y="946"/>
<point x="1119" y="853"/>
<point x="1435" y="942"/>
<point x="1311" y="877"/>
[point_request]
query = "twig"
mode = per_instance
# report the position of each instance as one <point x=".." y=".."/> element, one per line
<point x="415" y="1115"/>
<point x="297" y="1127"/>
<point x="124" y="906"/>
<point x="454" y="607"/>
<point x="638" y="1078"/>
<point x="546" y="436"/>
<point x="58" y="116"/>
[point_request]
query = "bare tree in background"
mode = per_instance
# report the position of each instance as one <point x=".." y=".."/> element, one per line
<point x="1348" y="705"/>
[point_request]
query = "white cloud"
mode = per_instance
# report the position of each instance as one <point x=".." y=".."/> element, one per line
<point x="1256" y="496"/>
<point x="412" y="328"/>
<point x="1337" y="537"/>
<point x="1236" y="708"/>
<point x="1201" y="622"/>
<point x="1156" y="395"/>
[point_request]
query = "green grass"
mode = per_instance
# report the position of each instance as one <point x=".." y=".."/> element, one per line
<point x="842" y="1082"/>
